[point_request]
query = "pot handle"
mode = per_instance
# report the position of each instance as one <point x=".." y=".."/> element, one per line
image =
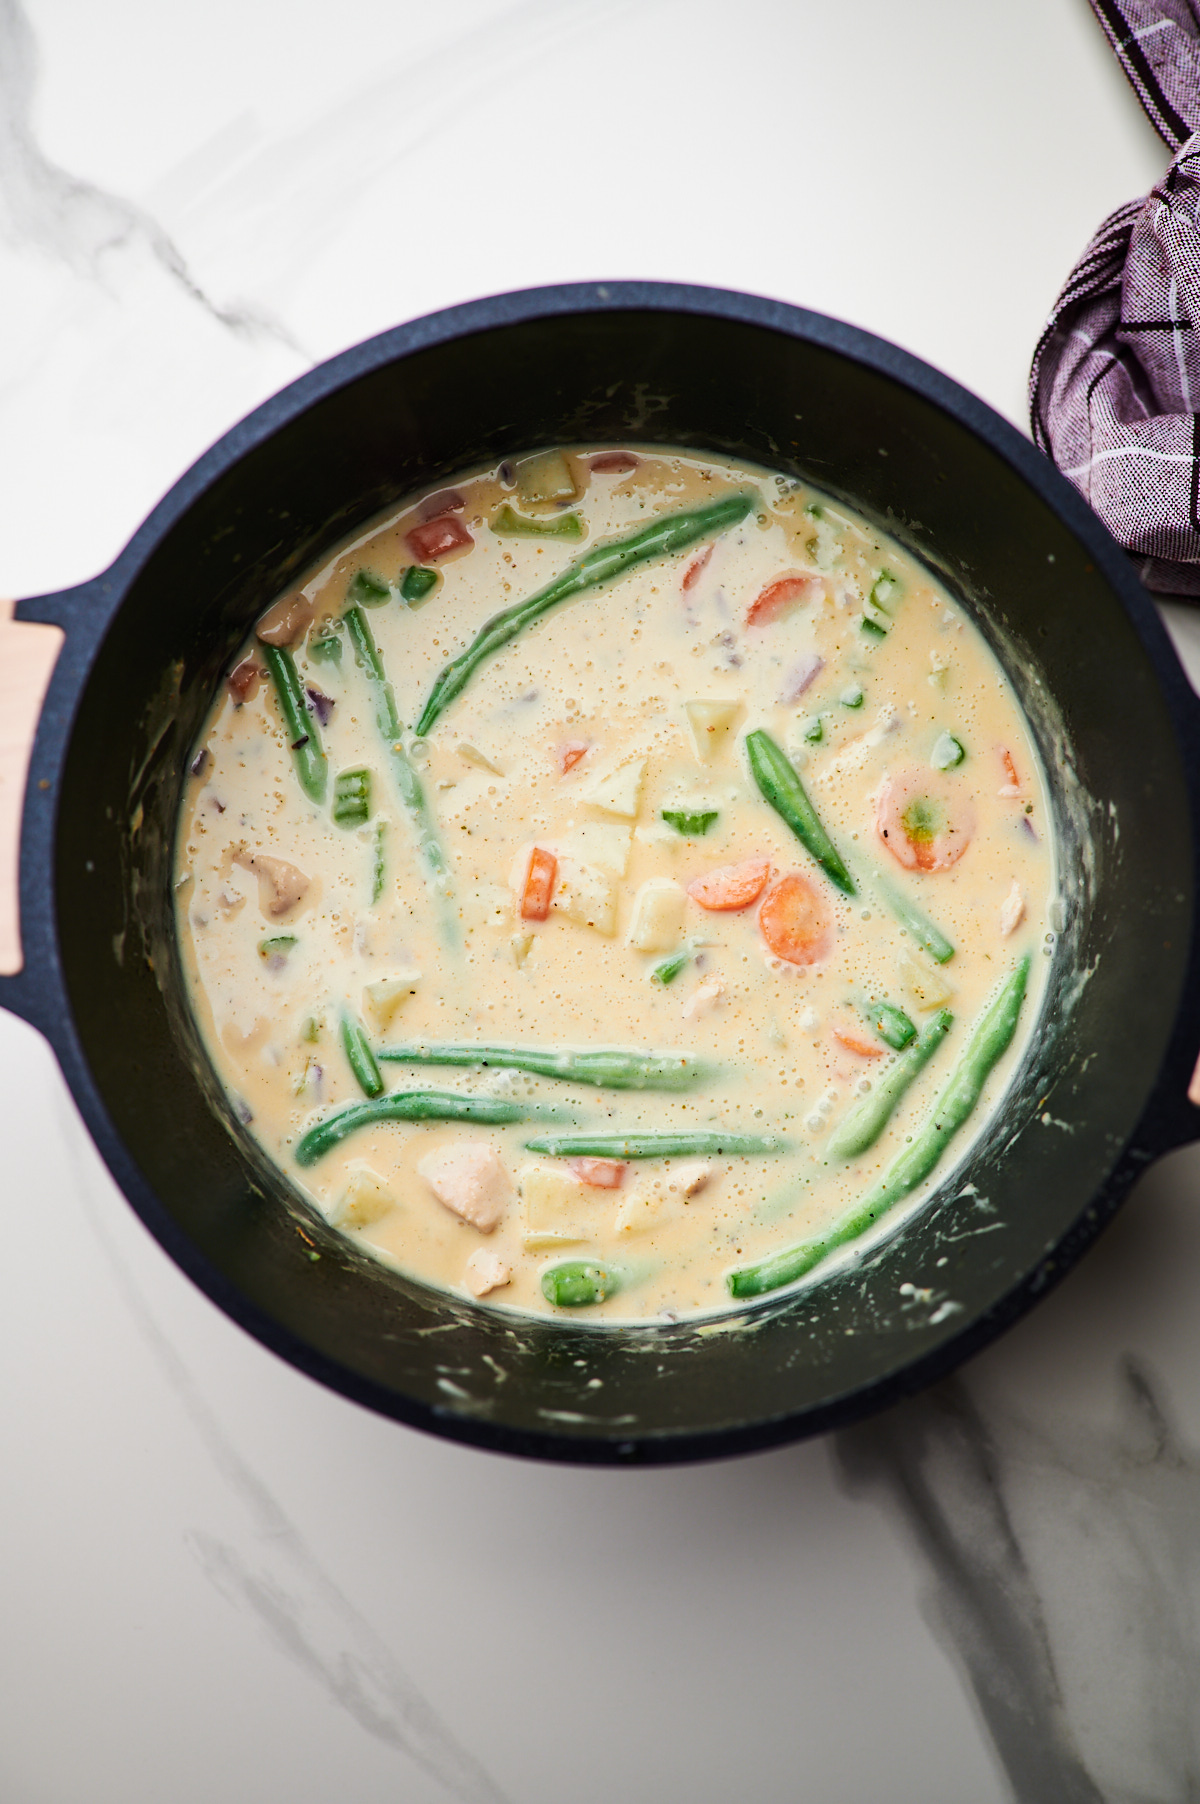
<point x="1172" y="1116"/>
<point x="28" y="654"/>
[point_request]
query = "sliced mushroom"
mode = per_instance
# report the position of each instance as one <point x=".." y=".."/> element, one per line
<point x="284" y="623"/>
<point x="280" y="884"/>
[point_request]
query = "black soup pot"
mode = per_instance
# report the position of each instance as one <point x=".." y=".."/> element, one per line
<point x="1103" y="1089"/>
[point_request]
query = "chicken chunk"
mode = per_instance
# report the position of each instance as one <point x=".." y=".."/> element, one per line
<point x="470" y="1180"/>
<point x="1012" y="910"/>
<point x="486" y="1271"/>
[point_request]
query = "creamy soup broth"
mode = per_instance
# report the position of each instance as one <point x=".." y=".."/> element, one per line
<point x="562" y="889"/>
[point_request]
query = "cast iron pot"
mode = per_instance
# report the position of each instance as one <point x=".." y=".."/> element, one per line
<point x="1103" y="1089"/>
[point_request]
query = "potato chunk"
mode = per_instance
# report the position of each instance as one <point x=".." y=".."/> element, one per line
<point x="618" y="788"/>
<point x="658" y="912"/>
<point x="600" y="842"/>
<point x="928" y="989"/>
<point x="587" y="894"/>
<point x="365" y="1199"/>
<point x="653" y="1197"/>
<point x="381" y="1000"/>
<point x="544" y="478"/>
<point x="554" y="1206"/>
<point x="470" y="1180"/>
<point x="710" y="724"/>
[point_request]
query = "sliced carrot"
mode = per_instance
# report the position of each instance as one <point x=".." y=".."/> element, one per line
<point x="1010" y="769"/>
<point x="779" y="597"/>
<point x="435" y="538"/>
<point x="614" y="460"/>
<point x="795" y="922"/>
<point x="570" y="753"/>
<point x="604" y="1174"/>
<point x="731" y="886"/>
<point x="925" y="821"/>
<point x="695" y="569"/>
<point x="539" y="885"/>
<point x="854" y="1042"/>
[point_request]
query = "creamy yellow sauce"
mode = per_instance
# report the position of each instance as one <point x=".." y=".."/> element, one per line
<point x="569" y="744"/>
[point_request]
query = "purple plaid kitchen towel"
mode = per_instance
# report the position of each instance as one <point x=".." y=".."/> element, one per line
<point x="1114" y="392"/>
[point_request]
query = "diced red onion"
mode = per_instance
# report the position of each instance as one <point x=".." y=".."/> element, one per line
<point x="319" y="703"/>
<point x="804" y="672"/>
<point x="446" y="501"/>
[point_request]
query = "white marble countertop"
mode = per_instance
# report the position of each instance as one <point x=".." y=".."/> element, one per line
<point x="221" y="1581"/>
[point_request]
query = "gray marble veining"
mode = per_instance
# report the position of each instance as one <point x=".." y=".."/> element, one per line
<point x="274" y="1575"/>
<point x="935" y="1457"/>
<point x="67" y="217"/>
<point x="1063" y="1577"/>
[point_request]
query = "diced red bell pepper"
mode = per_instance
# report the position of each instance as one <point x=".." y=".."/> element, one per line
<point x="614" y="461"/>
<point x="244" y="679"/>
<point x="435" y="538"/>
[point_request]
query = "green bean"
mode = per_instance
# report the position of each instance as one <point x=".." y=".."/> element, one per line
<point x="865" y="1122"/>
<point x="782" y="788"/>
<point x="651" y="1146"/>
<point x="402" y="1105"/>
<point x="378" y="864"/>
<point x="388" y="722"/>
<point x="948" y="752"/>
<point x="891" y="1024"/>
<point x="558" y="526"/>
<point x="576" y="1282"/>
<point x="367" y="590"/>
<point x="302" y="729"/>
<point x="357" y="1048"/>
<point x="607" y="1067"/>
<point x="690" y="825"/>
<point x="326" y="646"/>
<point x="990" y="1039"/>
<point x="669" y="969"/>
<point x="367" y="653"/>
<point x="417" y="584"/>
<point x="278" y="946"/>
<point x="660" y="538"/>
<point x="352" y="797"/>
<point x="876" y="620"/>
<point x="931" y="938"/>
